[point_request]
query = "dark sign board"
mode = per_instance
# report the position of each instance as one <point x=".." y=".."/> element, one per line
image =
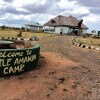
<point x="17" y="61"/>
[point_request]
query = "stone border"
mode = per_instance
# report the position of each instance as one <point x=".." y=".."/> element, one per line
<point x="17" y="38"/>
<point x="74" y="42"/>
<point x="12" y="38"/>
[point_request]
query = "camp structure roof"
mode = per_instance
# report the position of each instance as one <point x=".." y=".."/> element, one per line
<point x="65" y="21"/>
<point x="33" y="24"/>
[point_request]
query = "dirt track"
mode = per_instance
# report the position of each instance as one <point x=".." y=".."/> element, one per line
<point x="66" y="72"/>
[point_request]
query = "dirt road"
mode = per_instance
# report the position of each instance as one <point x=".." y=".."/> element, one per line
<point x="66" y="72"/>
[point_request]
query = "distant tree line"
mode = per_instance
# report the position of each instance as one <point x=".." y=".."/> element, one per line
<point x="3" y="27"/>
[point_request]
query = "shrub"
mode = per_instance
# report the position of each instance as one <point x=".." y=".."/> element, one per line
<point x="85" y="35"/>
<point x="96" y="36"/>
<point x="19" y="34"/>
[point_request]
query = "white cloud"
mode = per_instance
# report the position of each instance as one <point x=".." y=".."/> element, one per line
<point x="73" y="8"/>
<point x="94" y="18"/>
<point x="2" y="3"/>
<point x="21" y="9"/>
<point x="20" y="3"/>
<point x="67" y="4"/>
<point x="80" y="10"/>
<point x="92" y="21"/>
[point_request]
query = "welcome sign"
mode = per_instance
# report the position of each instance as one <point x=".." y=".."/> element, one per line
<point x="17" y="61"/>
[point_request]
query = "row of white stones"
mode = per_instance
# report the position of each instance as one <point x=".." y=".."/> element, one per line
<point x="74" y="41"/>
<point x="17" y="38"/>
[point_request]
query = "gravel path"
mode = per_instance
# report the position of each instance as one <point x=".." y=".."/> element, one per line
<point x="89" y="70"/>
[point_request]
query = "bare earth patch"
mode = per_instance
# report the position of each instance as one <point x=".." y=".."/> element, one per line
<point x="54" y="60"/>
<point x="32" y="84"/>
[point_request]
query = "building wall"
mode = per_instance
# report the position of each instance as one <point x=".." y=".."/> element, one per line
<point x="65" y="30"/>
<point x="84" y="31"/>
<point x="34" y="28"/>
<point x="48" y="29"/>
<point x="58" y="30"/>
<point x="62" y="29"/>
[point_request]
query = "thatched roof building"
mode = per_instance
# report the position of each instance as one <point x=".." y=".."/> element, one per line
<point x="63" y="21"/>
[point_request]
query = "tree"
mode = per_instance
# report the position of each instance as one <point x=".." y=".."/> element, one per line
<point x="3" y="27"/>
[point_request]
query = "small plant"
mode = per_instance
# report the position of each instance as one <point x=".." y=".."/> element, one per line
<point x="48" y="95"/>
<point x="61" y="80"/>
<point x="19" y="34"/>
<point x="53" y="87"/>
<point x="51" y="73"/>
<point x="65" y="90"/>
<point x="20" y="77"/>
<point x="23" y="29"/>
<point x="88" y="93"/>
<point x="74" y="86"/>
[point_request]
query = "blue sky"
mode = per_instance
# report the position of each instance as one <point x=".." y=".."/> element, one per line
<point x="19" y="12"/>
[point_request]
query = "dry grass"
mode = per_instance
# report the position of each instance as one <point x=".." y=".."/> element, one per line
<point x="29" y="34"/>
<point x="14" y="33"/>
<point x="89" y="41"/>
<point x="8" y="33"/>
